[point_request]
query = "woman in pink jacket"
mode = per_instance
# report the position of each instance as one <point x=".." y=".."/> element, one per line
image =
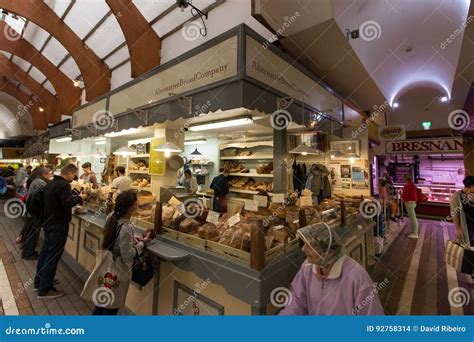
<point x="329" y="282"/>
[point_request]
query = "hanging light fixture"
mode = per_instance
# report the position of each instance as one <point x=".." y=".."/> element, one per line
<point x="304" y="150"/>
<point x="167" y="148"/>
<point x="196" y="153"/>
<point x="64" y="156"/>
<point x="125" y="151"/>
<point x="336" y="154"/>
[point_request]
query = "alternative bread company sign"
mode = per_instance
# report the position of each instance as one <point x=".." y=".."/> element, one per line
<point x="425" y="146"/>
<point x="394" y="132"/>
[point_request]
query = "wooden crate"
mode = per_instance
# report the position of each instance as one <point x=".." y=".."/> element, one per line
<point x="276" y="251"/>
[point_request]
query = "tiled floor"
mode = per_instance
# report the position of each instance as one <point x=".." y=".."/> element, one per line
<point x="417" y="279"/>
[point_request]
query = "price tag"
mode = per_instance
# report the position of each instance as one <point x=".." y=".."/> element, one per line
<point x="212" y="217"/>
<point x="234" y="219"/>
<point x="306" y="201"/>
<point x="251" y="205"/>
<point x="262" y="200"/>
<point x="278" y="198"/>
<point x="174" y="201"/>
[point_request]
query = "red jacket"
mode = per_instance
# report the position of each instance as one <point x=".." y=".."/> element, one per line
<point x="409" y="192"/>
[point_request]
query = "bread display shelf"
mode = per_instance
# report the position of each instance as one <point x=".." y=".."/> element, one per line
<point x="250" y="192"/>
<point x="144" y="172"/>
<point x="251" y="174"/>
<point x="255" y="157"/>
<point x="140" y="188"/>
<point x="140" y="156"/>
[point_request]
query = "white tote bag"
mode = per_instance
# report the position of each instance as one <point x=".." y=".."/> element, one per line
<point x="108" y="283"/>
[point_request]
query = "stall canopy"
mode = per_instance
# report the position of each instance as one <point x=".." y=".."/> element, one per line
<point x="237" y="69"/>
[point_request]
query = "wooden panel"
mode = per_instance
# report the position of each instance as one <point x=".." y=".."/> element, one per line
<point x="87" y="236"/>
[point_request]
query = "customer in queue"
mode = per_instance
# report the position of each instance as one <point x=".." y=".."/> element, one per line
<point x="330" y="282"/>
<point x="119" y="239"/>
<point x="31" y="230"/>
<point x="462" y="211"/>
<point x="57" y="214"/>
<point x="122" y="182"/>
<point x="409" y="196"/>
<point x="220" y="185"/>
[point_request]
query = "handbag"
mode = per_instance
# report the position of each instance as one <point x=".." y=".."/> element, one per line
<point x="142" y="271"/>
<point x="459" y="256"/>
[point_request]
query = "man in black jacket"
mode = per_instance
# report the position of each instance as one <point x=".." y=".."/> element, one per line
<point x="57" y="214"/>
<point x="220" y="185"/>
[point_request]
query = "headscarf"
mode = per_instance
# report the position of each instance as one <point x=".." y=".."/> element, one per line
<point x="324" y="241"/>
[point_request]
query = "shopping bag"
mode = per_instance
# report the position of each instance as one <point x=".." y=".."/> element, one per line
<point x="108" y="283"/>
<point x="459" y="256"/>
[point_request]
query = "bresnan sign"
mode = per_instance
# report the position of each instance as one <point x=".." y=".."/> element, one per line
<point x="425" y="146"/>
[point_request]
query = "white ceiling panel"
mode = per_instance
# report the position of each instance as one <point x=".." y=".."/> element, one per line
<point x="14" y="82"/>
<point x="177" y="17"/>
<point x="150" y="9"/>
<point x="85" y="14"/>
<point x="54" y="51"/>
<point x="118" y="57"/>
<point x="35" y="35"/>
<point x="70" y="68"/>
<point x="7" y="54"/>
<point x="16" y="24"/>
<point x="58" y="6"/>
<point x="121" y="76"/>
<point x="25" y="90"/>
<point x="21" y="63"/>
<point x="37" y="75"/>
<point x="50" y="87"/>
<point x="106" y="38"/>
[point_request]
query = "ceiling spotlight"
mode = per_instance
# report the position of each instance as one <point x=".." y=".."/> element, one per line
<point x="395" y="105"/>
<point x="444" y="99"/>
<point x="76" y="83"/>
<point x="41" y="109"/>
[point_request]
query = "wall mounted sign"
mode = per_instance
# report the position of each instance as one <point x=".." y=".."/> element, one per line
<point x="425" y="146"/>
<point x="157" y="159"/>
<point x="393" y="132"/>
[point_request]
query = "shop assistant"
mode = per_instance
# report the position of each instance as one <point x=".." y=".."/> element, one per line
<point x="189" y="182"/>
<point x="89" y="175"/>
<point x="220" y="185"/>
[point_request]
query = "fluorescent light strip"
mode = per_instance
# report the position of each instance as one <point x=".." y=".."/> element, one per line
<point x="195" y="142"/>
<point x="221" y="124"/>
<point x="64" y="139"/>
<point x="121" y="133"/>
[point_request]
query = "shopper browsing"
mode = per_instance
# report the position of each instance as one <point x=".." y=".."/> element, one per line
<point x="20" y="178"/>
<point x="220" y="185"/>
<point x="189" y="182"/>
<point x="57" y="214"/>
<point x="462" y="211"/>
<point x="122" y="182"/>
<point x="31" y="230"/>
<point x="393" y="196"/>
<point x="329" y="282"/>
<point x="119" y="238"/>
<point x="409" y="196"/>
<point x="89" y="175"/>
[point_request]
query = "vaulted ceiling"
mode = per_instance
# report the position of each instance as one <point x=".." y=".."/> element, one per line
<point x="61" y="53"/>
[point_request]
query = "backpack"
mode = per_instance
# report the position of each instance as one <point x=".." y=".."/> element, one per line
<point x="35" y="204"/>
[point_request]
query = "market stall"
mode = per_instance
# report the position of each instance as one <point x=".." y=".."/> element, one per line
<point x="225" y="262"/>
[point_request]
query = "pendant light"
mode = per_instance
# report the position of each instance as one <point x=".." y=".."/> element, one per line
<point x="196" y="153"/>
<point x="336" y="154"/>
<point x="304" y="150"/>
<point x="125" y="151"/>
<point x="167" y="148"/>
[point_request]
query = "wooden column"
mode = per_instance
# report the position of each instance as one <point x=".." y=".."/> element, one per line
<point x="343" y="213"/>
<point x="468" y="151"/>
<point x="280" y="153"/>
<point x="158" y="219"/>
<point x="257" y="245"/>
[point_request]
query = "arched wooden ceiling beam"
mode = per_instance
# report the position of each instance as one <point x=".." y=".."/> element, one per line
<point x="38" y="118"/>
<point x="144" y="45"/>
<point x="13" y="71"/>
<point x="68" y="95"/>
<point x="95" y="72"/>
